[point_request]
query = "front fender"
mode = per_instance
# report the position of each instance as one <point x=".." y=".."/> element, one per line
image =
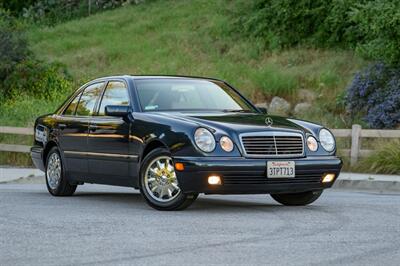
<point x="176" y="135"/>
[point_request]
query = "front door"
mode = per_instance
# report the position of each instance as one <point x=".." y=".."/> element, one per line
<point x="108" y="140"/>
<point x="73" y="130"/>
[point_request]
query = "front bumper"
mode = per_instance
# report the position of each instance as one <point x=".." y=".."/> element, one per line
<point x="248" y="176"/>
<point x="37" y="157"/>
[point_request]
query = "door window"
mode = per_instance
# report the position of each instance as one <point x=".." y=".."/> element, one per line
<point x="88" y="100"/>
<point x="116" y="93"/>
<point x="70" y="110"/>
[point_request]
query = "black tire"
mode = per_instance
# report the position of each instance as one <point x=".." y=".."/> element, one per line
<point x="180" y="202"/>
<point x="297" y="199"/>
<point x="63" y="187"/>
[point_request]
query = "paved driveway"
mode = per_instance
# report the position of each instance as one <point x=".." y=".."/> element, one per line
<point x="111" y="226"/>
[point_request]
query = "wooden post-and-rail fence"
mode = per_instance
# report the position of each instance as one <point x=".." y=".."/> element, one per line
<point x="356" y="133"/>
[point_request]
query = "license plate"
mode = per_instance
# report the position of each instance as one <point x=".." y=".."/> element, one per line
<point x="280" y="169"/>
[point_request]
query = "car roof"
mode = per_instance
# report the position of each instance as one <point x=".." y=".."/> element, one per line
<point x="155" y="77"/>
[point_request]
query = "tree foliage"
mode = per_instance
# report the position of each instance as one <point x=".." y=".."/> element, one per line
<point x="20" y="71"/>
<point x="16" y="6"/>
<point x="372" y="27"/>
<point x="13" y="44"/>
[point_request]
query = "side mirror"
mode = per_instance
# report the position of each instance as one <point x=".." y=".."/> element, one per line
<point x="118" y="110"/>
<point x="263" y="110"/>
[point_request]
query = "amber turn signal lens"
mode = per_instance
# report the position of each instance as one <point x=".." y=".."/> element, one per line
<point x="214" y="180"/>
<point x="328" y="178"/>
<point x="226" y="144"/>
<point x="312" y="143"/>
<point x="179" y="166"/>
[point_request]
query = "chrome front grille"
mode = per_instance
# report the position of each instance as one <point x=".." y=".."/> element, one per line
<point x="273" y="144"/>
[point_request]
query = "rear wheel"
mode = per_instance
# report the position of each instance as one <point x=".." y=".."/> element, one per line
<point x="297" y="199"/>
<point x="159" y="184"/>
<point x="56" y="181"/>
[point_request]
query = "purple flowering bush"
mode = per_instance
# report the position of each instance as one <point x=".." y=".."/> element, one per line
<point x="375" y="94"/>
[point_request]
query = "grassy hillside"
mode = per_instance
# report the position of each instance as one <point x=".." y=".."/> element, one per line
<point x="188" y="38"/>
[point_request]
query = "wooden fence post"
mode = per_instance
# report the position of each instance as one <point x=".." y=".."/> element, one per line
<point x="355" y="144"/>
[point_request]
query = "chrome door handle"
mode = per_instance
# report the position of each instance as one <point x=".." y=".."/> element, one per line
<point x="92" y="128"/>
<point x="62" y="126"/>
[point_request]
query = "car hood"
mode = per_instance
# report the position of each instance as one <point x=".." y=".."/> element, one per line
<point x="243" y="122"/>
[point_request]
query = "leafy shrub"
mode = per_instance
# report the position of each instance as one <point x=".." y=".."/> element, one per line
<point x="38" y="79"/>
<point x="283" y="23"/>
<point x="369" y="26"/>
<point x="20" y="72"/>
<point x="16" y="6"/>
<point x="378" y="23"/>
<point x="13" y="44"/>
<point x="375" y="93"/>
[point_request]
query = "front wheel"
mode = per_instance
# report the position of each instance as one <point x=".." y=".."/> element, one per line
<point x="159" y="184"/>
<point x="297" y="199"/>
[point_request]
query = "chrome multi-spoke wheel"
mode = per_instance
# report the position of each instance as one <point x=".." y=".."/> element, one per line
<point x="56" y="181"/>
<point x="160" y="179"/>
<point x="53" y="172"/>
<point x="159" y="183"/>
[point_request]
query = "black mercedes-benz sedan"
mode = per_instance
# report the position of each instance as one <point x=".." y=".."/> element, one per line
<point x="175" y="137"/>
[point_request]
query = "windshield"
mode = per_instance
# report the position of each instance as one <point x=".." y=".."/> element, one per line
<point x="189" y="95"/>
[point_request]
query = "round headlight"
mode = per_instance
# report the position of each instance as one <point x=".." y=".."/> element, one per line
<point x="226" y="144"/>
<point x="204" y="139"/>
<point x="312" y="143"/>
<point x="327" y="140"/>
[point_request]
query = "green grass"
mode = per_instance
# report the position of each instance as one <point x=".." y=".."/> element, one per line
<point x="385" y="160"/>
<point x="23" y="110"/>
<point x="187" y="38"/>
<point x="16" y="159"/>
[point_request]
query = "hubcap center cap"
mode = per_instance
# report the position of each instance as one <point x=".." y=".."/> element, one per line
<point x="164" y="180"/>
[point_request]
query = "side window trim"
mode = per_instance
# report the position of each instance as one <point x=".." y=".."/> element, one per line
<point x="96" y="113"/>
<point x="80" y="96"/>
<point x="77" y="94"/>
<point x="97" y="100"/>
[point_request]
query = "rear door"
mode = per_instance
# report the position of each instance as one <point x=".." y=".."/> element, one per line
<point x="108" y="140"/>
<point x="73" y="129"/>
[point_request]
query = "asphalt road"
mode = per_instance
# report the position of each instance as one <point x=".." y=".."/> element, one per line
<point x="111" y="226"/>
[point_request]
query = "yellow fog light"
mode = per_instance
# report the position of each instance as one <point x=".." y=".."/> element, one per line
<point x="214" y="180"/>
<point x="328" y="178"/>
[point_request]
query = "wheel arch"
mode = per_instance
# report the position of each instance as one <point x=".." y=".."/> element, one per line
<point x="48" y="147"/>
<point x="153" y="144"/>
<point x="150" y="146"/>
